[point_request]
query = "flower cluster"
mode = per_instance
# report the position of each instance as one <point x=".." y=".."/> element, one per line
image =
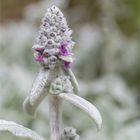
<point x="54" y="41"/>
<point x="61" y="84"/>
<point x="69" y="133"/>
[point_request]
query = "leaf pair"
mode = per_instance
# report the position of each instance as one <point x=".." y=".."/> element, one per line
<point x="40" y="91"/>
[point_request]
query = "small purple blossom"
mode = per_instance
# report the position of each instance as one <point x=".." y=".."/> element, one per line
<point x="65" y="54"/>
<point x="67" y="65"/>
<point x="63" y="49"/>
<point x="39" y="57"/>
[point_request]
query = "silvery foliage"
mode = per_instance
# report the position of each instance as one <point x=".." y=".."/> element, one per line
<point x="59" y="35"/>
<point x="19" y="130"/>
<point x="84" y="105"/>
<point x="114" y="116"/>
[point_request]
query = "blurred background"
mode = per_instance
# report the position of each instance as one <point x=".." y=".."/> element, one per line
<point x="106" y="66"/>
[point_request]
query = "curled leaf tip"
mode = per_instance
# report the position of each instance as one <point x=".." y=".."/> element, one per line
<point x="86" y="106"/>
<point x="28" y="108"/>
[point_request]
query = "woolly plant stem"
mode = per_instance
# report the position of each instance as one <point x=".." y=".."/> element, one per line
<point x="55" y="108"/>
<point x="55" y="117"/>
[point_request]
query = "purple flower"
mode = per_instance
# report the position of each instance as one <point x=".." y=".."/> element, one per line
<point x="39" y="57"/>
<point x="63" y="49"/>
<point x="65" y="55"/>
<point x="67" y="65"/>
<point x="39" y="49"/>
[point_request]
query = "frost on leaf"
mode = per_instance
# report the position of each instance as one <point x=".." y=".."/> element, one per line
<point x="19" y="130"/>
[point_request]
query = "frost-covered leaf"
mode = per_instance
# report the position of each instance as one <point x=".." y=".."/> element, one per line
<point x="19" y="130"/>
<point x="85" y="106"/>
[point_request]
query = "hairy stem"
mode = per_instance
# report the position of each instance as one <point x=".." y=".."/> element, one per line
<point x="55" y="118"/>
<point x="55" y="107"/>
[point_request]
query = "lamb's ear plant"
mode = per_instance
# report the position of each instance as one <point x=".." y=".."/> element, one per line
<point x="53" y="50"/>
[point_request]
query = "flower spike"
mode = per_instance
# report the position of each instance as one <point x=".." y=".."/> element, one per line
<point x="54" y="41"/>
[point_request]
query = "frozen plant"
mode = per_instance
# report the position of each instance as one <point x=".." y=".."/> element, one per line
<point x="53" y="50"/>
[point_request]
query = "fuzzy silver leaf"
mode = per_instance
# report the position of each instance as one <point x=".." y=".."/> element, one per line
<point x="86" y="106"/>
<point x="19" y="130"/>
<point x="38" y="92"/>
